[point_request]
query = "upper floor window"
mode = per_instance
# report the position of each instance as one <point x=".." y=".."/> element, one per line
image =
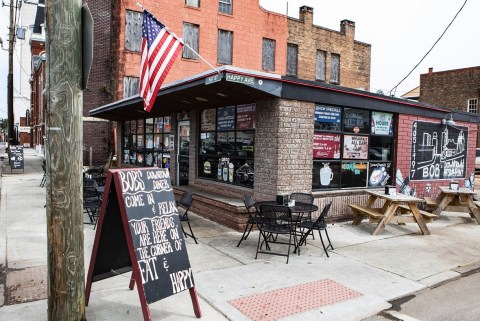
<point x="133" y="30"/>
<point x="320" y="68"/>
<point x="193" y="3"/>
<point x="130" y="86"/>
<point x="268" y="54"/>
<point x="292" y="59"/>
<point x="190" y="38"/>
<point x="225" y="6"/>
<point x="335" y="68"/>
<point x="473" y="105"/>
<point x="225" y="41"/>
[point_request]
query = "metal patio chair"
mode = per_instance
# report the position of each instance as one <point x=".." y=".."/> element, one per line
<point x="185" y="202"/>
<point x="253" y="217"/>
<point x="277" y="221"/>
<point x="307" y="227"/>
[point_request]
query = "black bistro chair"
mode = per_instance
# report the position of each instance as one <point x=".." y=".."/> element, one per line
<point x="307" y="227"/>
<point x="253" y="217"/>
<point x="302" y="198"/>
<point x="277" y="221"/>
<point x="44" y="177"/>
<point x="91" y="204"/>
<point x="185" y="202"/>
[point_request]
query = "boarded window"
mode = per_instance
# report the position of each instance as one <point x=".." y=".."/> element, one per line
<point x="473" y="105"/>
<point x="130" y="86"/>
<point x="225" y="6"/>
<point x="292" y="59"/>
<point x="225" y="41"/>
<point x="133" y="30"/>
<point x="335" y="69"/>
<point x="193" y="3"/>
<point x="321" y="61"/>
<point x="190" y="38"/>
<point x="268" y="54"/>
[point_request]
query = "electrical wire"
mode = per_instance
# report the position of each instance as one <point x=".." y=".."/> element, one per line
<point x="444" y="31"/>
<point x="21" y="66"/>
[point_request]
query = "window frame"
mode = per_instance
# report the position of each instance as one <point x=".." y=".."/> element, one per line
<point x="193" y="5"/>
<point x="220" y="45"/>
<point x="335" y="67"/>
<point x="134" y="32"/>
<point x="129" y="84"/>
<point x="187" y="53"/>
<point x="227" y="137"/>
<point x="321" y="66"/>
<point x="139" y="142"/>
<point x="268" y="65"/>
<point x="472" y="105"/>
<point x="225" y="6"/>
<point x="338" y="166"/>
<point x="293" y="72"/>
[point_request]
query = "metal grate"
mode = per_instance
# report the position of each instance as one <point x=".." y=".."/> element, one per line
<point x="284" y="302"/>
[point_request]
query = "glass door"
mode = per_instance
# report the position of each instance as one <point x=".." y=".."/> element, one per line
<point x="183" y="152"/>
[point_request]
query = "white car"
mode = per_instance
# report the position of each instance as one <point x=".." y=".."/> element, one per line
<point x="477" y="159"/>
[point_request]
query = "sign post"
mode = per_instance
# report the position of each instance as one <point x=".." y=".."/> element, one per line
<point x="17" y="159"/>
<point x="139" y="230"/>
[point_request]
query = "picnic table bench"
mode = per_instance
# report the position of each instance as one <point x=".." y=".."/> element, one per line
<point x="388" y="213"/>
<point x="427" y="216"/>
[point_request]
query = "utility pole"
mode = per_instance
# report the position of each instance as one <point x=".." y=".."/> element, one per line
<point x="64" y="139"/>
<point x="11" y="45"/>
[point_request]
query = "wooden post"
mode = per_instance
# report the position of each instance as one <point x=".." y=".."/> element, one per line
<point x="64" y="141"/>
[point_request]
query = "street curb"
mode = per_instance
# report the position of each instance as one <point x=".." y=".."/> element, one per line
<point x="399" y="316"/>
<point x="468" y="269"/>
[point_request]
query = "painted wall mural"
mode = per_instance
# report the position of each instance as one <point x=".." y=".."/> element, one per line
<point x="438" y="151"/>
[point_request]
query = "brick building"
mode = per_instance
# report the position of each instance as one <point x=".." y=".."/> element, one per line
<point x="241" y="34"/>
<point x="282" y="115"/>
<point x="267" y="135"/>
<point x="458" y="89"/>
<point x="326" y="55"/>
<point x="37" y="98"/>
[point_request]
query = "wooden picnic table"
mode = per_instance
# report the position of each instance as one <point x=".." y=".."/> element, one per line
<point x="392" y="210"/>
<point x="460" y="200"/>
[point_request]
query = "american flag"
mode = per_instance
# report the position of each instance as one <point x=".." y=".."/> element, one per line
<point x="159" y="50"/>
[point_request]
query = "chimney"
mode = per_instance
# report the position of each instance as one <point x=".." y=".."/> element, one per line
<point x="306" y="15"/>
<point x="347" y="28"/>
<point x="430" y="70"/>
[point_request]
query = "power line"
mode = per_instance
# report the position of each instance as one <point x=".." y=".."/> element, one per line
<point x="20" y="64"/>
<point x="444" y="31"/>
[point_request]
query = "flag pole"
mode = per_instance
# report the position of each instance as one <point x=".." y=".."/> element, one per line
<point x="181" y="40"/>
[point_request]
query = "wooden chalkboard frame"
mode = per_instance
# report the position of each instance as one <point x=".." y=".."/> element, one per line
<point x="13" y="158"/>
<point x="113" y="216"/>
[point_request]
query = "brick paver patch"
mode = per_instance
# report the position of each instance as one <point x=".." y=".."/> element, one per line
<point x="277" y="304"/>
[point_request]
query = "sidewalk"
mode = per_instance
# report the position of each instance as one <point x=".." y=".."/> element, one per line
<point x="362" y="275"/>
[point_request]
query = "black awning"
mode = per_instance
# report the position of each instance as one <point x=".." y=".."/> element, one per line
<point x="236" y="86"/>
<point x="208" y="90"/>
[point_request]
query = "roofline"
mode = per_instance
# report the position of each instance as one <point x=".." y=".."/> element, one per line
<point x="290" y="80"/>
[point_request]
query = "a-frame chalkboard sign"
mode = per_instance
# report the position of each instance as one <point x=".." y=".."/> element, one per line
<point x="139" y="229"/>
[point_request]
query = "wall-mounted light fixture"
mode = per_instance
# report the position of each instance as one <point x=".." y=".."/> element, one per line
<point x="448" y="120"/>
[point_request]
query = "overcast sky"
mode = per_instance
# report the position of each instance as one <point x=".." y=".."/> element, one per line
<point x="400" y="32"/>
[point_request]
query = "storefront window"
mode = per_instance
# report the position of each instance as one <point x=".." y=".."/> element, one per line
<point x="146" y="142"/>
<point x="227" y="144"/>
<point x="352" y="148"/>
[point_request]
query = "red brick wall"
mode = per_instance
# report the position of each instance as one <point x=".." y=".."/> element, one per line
<point x="403" y="152"/>
<point x="451" y="88"/>
<point x="249" y="23"/>
<point x="99" y="89"/>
